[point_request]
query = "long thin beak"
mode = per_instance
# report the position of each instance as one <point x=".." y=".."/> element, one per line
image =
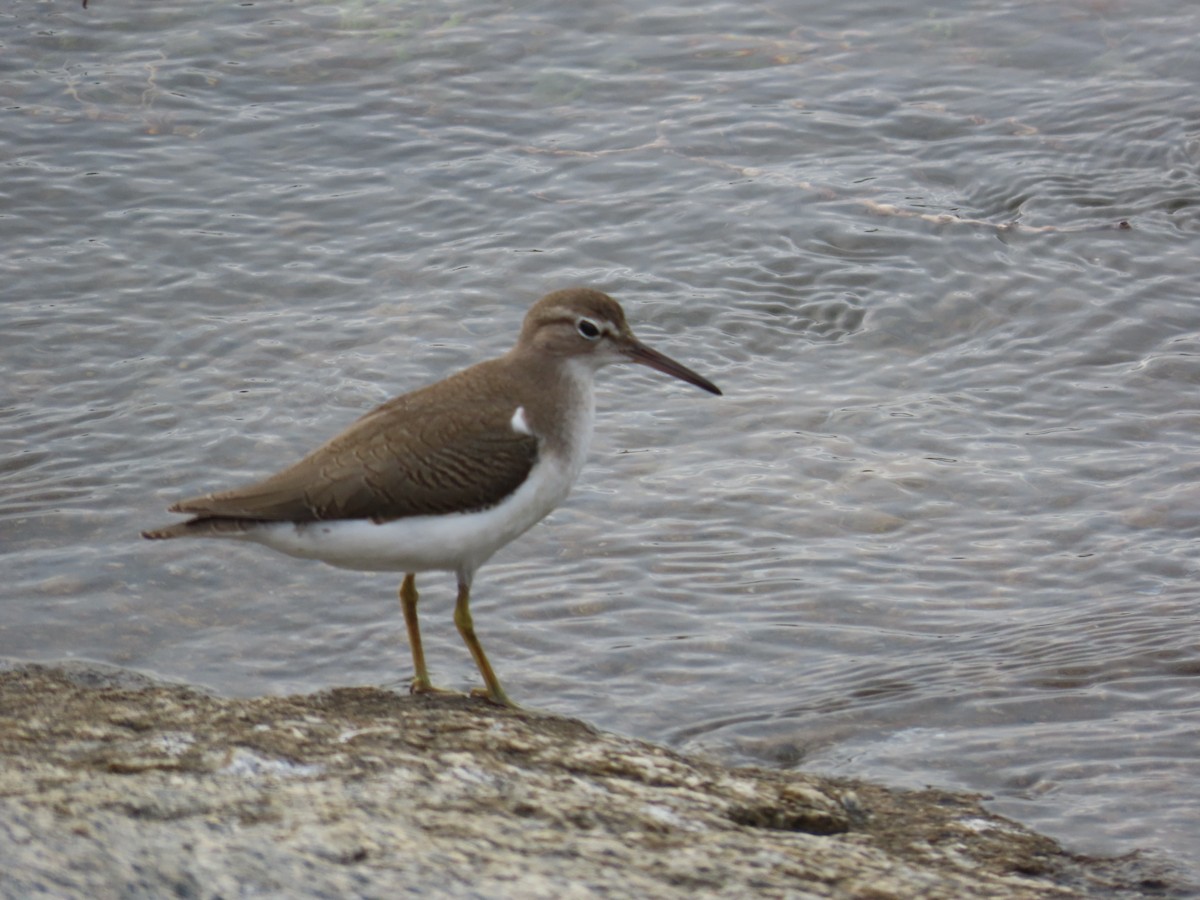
<point x="640" y="353"/>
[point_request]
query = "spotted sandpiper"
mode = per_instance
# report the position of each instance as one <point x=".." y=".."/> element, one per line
<point x="441" y="478"/>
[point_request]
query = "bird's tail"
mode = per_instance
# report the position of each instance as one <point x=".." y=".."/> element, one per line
<point x="202" y="526"/>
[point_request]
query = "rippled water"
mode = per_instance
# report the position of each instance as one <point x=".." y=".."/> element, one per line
<point x="941" y="529"/>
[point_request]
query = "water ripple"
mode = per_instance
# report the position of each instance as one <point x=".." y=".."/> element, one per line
<point x="941" y="528"/>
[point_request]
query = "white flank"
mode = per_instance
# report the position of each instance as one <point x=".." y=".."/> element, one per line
<point x="456" y="542"/>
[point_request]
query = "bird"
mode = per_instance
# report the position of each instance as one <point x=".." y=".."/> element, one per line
<point x="441" y="478"/>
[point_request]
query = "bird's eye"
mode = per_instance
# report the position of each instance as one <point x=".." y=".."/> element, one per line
<point x="588" y="329"/>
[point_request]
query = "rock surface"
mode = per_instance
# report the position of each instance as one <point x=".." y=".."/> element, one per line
<point x="112" y="785"/>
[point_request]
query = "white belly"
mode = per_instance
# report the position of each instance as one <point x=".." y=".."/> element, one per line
<point x="457" y="542"/>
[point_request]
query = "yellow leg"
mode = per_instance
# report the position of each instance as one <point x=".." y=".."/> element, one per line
<point x="408" y="603"/>
<point x="466" y="628"/>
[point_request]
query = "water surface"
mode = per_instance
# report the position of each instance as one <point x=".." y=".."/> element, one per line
<point x="941" y="529"/>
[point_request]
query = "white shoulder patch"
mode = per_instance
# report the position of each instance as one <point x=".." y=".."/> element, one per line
<point x="519" y="423"/>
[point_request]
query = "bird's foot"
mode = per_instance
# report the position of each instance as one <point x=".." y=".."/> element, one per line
<point x="497" y="697"/>
<point x="423" y="686"/>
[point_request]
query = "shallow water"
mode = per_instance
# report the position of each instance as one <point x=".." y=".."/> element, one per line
<point x="942" y="527"/>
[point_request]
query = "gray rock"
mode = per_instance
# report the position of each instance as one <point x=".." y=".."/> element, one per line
<point x="113" y="785"/>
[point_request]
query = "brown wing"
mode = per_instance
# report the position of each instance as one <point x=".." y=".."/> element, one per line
<point x="418" y="454"/>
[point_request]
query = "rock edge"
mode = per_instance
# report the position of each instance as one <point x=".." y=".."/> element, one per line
<point x="114" y="785"/>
